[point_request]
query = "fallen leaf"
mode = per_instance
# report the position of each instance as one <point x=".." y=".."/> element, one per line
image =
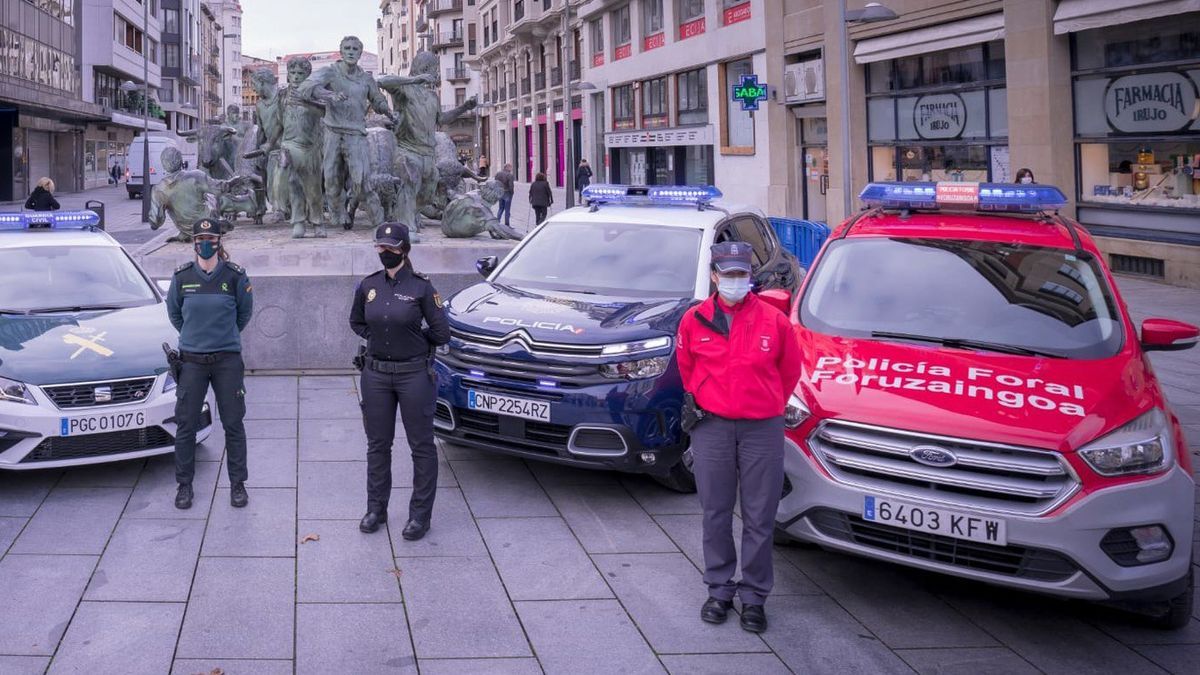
<point x="310" y="537"/>
<point x="396" y="572"/>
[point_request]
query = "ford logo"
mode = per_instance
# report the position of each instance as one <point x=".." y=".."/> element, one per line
<point x="932" y="455"/>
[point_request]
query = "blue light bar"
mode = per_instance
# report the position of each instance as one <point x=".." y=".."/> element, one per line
<point x="51" y="220"/>
<point x="650" y="194"/>
<point x="992" y="197"/>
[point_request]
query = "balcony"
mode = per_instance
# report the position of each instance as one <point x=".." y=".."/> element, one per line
<point x="555" y="77"/>
<point x="189" y="72"/>
<point x="539" y="81"/>
<point x="438" y="7"/>
<point x="457" y="74"/>
<point x="213" y="71"/>
<point x="524" y="86"/>
<point x="447" y="39"/>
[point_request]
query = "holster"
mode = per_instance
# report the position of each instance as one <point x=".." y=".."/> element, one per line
<point x="174" y="362"/>
<point x="691" y="414"/>
<point x="360" y="359"/>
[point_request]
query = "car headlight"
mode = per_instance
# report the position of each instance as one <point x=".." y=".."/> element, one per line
<point x="636" y="370"/>
<point x="636" y="347"/>
<point x="169" y="383"/>
<point x="795" y="413"/>
<point x="15" y="392"/>
<point x="1141" y="446"/>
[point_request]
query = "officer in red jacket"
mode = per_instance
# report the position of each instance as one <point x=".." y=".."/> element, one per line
<point x="740" y="359"/>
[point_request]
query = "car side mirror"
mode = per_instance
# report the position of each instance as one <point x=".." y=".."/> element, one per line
<point x="486" y="265"/>
<point x="164" y="286"/>
<point x="778" y="298"/>
<point x="1168" y="335"/>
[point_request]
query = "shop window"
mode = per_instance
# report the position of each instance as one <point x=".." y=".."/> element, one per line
<point x="931" y="163"/>
<point x="737" y="128"/>
<point x="1164" y="40"/>
<point x="690" y="15"/>
<point x="693" y="96"/>
<point x="1164" y="174"/>
<point x="976" y="64"/>
<point x="734" y="11"/>
<point x="654" y="103"/>
<point x="623" y="112"/>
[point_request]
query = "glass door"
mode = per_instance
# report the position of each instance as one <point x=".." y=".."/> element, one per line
<point x="814" y="165"/>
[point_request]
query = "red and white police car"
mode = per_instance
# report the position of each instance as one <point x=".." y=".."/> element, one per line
<point x="976" y="401"/>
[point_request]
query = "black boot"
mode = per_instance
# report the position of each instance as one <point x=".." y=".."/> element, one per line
<point x="237" y="495"/>
<point x="754" y="618"/>
<point x="183" y="496"/>
<point x="715" y="611"/>
<point x="414" y="530"/>
<point x="372" y="521"/>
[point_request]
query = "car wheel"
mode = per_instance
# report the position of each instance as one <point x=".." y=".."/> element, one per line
<point x="680" y="477"/>
<point x="1178" y="610"/>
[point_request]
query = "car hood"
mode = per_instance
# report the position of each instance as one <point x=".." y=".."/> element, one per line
<point x="1055" y="404"/>
<point x="496" y="310"/>
<point x="85" y="346"/>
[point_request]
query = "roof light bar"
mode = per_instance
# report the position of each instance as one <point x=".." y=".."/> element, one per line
<point x="650" y="194"/>
<point x="50" y="220"/>
<point x="993" y="197"/>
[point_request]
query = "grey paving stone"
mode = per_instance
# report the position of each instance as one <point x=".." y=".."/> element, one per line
<point x="724" y="664"/>
<point x="353" y="639"/>
<point x="539" y="559"/>
<point x="345" y="565"/>
<point x="37" y="599"/>
<point x="124" y="637"/>
<point x="113" y="474"/>
<point x="333" y="490"/>
<point x="457" y="608"/>
<point x="330" y="404"/>
<point x="453" y="451"/>
<point x="979" y="661"/>
<point x="501" y="488"/>
<point x="346" y="382"/>
<point x="21" y="492"/>
<point x="812" y="634"/>
<point x="688" y="533"/>
<point x="1128" y="630"/>
<point x="154" y="496"/>
<point x="586" y="636"/>
<point x="271" y="410"/>
<point x="272" y="388"/>
<point x="658" y="500"/>
<point x="1174" y="658"/>
<point x="270" y="429"/>
<point x="607" y="520"/>
<point x="24" y="665"/>
<point x="452" y="530"/>
<point x="232" y="667"/>
<point x="240" y="608"/>
<point x="479" y="667"/>
<point x="663" y="593"/>
<point x="148" y="560"/>
<point x="332" y="440"/>
<point x="74" y="520"/>
<point x="271" y="462"/>
<point x="265" y="527"/>
<point x="549" y="474"/>
<point x="9" y="529"/>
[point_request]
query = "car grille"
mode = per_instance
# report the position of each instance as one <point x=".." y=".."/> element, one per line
<point x="541" y="437"/>
<point x="986" y="476"/>
<point x="56" y="448"/>
<point x="1011" y="561"/>
<point x="495" y="365"/>
<point x="83" y="394"/>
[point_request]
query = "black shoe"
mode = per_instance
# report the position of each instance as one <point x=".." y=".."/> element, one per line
<point x="372" y="521"/>
<point x="715" y="611"/>
<point x="183" y="496"/>
<point x="237" y="495"/>
<point x="754" y="618"/>
<point x="414" y="530"/>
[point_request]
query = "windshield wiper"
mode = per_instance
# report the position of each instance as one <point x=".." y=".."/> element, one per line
<point x="72" y="308"/>
<point x="966" y="343"/>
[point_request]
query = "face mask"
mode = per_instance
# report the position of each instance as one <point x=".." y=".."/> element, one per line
<point x="206" y="249"/>
<point x="1026" y="179"/>
<point x="390" y="259"/>
<point x="733" y="289"/>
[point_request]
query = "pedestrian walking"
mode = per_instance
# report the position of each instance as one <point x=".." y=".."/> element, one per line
<point x="583" y="177"/>
<point x="540" y="197"/>
<point x="42" y="197"/>
<point x="210" y="304"/>
<point x="482" y="168"/>
<point x="505" y="178"/>
<point x="739" y="361"/>
<point x="388" y="311"/>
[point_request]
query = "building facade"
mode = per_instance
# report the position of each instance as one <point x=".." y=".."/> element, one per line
<point x="449" y="36"/>
<point x="228" y="14"/>
<point x="395" y="36"/>
<point x="179" y="93"/>
<point x="210" y="59"/>
<point x="249" y="96"/>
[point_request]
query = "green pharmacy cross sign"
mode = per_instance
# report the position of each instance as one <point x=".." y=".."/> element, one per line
<point x="749" y="92"/>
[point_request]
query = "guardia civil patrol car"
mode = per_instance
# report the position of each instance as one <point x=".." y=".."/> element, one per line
<point x="566" y="352"/>
<point x="83" y="378"/>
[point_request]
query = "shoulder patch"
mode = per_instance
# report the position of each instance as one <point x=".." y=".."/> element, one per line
<point x="184" y="266"/>
<point x="235" y="267"/>
<point x="421" y="275"/>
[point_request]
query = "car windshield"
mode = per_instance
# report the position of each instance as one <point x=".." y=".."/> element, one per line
<point x="612" y="259"/>
<point x="63" y="278"/>
<point x="972" y="294"/>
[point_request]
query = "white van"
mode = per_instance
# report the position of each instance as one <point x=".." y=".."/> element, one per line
<point x="133" y="160"/>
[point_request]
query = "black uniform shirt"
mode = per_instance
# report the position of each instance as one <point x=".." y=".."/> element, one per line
<point x="389" y="312"/>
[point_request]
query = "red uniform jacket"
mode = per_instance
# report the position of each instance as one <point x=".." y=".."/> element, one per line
<point x="742" y="365"/>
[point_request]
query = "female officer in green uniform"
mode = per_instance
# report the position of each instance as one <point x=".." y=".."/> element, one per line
<point x="210" y="304"/>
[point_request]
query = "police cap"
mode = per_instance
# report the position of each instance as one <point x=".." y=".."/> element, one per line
<point x="212" y="226"/>
<point x="392" y="234"/>
<point x="729" y="256"/>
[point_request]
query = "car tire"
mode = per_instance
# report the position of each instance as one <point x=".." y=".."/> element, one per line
<point x="1178" y="612"/>
<point x="679" y="477"/>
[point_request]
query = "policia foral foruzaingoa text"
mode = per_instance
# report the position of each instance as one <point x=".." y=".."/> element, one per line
<point x="400" y="314"/>
<point x="209" y="303"/>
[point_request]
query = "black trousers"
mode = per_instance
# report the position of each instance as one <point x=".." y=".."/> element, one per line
<point x="414" y="393"/>
<point x="539" y="214"/>
<point x="226" y="373"/>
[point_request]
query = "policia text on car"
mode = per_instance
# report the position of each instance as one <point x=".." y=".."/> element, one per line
<point x="209" y="303"/>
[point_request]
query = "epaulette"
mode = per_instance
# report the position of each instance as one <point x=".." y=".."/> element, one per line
<point x="421" y="275"/>
<point x="184" y="266"/>
<point x="235" y="267"/>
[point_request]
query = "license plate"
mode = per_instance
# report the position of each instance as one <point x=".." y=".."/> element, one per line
<point x="508" y="405"/>
<point x="98" y="424"/>
<point x="935" y="520"/>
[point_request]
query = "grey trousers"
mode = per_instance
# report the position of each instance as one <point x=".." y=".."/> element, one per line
<point x="735" y="458"/>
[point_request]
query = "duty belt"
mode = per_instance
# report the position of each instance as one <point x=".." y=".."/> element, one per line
<point x="207" y="358"/>
<point x="395" y="367"/>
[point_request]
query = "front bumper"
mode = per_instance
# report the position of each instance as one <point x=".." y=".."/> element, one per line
<point x="31" y="435"/>
<point x="1059" y="554"/>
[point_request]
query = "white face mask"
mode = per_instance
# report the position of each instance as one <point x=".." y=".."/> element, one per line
<point x="733" y="289"/>
<point x="1026" y="179"/>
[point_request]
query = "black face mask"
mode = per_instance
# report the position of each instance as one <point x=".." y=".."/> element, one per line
<point x="391" y="259"/>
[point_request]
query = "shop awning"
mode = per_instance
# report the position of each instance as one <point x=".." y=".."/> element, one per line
<point x="973" y="31"/>
<point x="1076" y="15"/>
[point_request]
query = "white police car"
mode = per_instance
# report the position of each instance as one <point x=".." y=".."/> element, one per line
<point x="82" y="373"/>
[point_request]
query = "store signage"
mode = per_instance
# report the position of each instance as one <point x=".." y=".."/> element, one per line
<point x="957" y="193"/>
<point x="597" y="60"/>
<point x="749" y="92"/>
<point x="1152" y="102"/>
<point x="654" y="41"/>
<point x="737" y="14"/>
<point x="940" y="116"/>
<point x="622" y="52"/>
<point x="691" y="28"/>
<point x="702" y="135"/>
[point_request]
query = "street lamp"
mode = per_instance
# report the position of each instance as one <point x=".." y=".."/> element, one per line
<point x="569" y="129"/>
<point x="225" y="85"/>
<point x="870" y="13"/>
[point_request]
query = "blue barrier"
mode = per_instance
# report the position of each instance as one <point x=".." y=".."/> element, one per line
<point x="803" y="238"/>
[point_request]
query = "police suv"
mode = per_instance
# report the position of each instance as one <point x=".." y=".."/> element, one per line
<point x="976" y="401"/>
<point x="565" y="352"/>
<point x="82" y="373"/>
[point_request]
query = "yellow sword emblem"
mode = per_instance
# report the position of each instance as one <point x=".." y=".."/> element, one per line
<point x="85" y="344"/>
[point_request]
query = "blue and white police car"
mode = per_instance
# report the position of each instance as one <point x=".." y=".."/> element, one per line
<point x="83" y="378"/>
<point x="566" y="352"/>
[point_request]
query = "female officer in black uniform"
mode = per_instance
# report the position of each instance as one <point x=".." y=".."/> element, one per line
<point x="209" y="303"/>
<point x="389" y="309"/>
